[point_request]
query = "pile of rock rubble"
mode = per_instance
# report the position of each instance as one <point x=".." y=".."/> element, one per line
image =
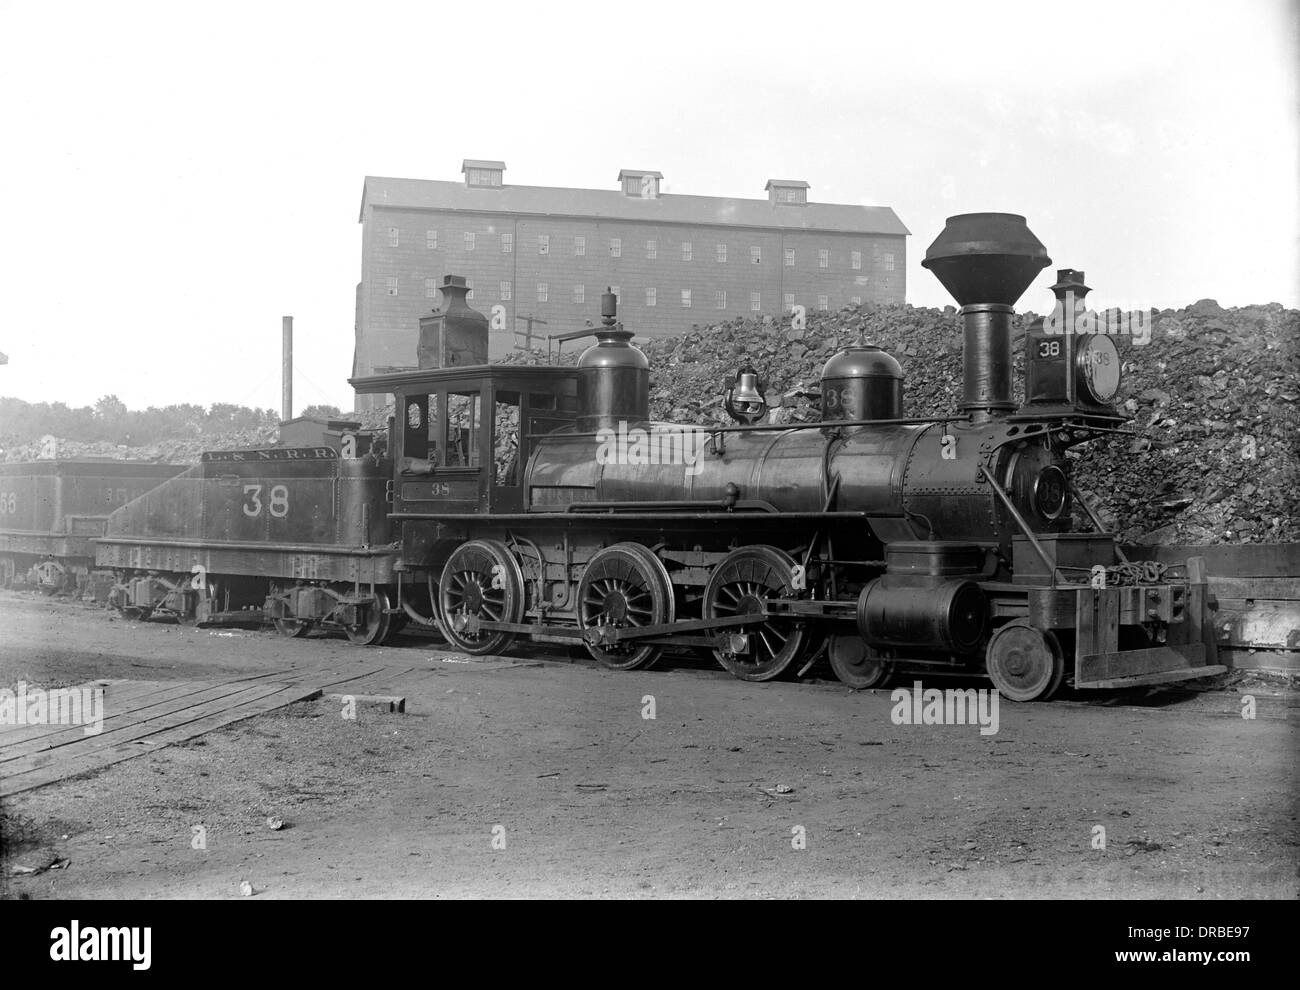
<point x="1213" y="398"/>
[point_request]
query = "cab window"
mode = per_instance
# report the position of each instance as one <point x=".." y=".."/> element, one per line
<point x="463" y="424"/>
<point x="505" y="423"/>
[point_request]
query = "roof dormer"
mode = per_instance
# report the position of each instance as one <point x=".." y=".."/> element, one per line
<point x="482" y="174"/>
<point x="638" y="184"/>
<point x="787" y="192"/>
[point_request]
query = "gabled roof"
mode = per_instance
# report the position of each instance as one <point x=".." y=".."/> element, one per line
<point x="637" y="173"/>
<point x="557" y="201"/>
<point x="787" y="184"/>
<point x="469" y="163"/>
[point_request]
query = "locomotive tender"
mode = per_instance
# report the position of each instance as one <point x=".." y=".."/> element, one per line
<point x="939" y="544"/>
<point x="299" y="532"/>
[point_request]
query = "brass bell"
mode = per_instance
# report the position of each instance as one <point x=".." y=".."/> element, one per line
<point x="745" y="401"/>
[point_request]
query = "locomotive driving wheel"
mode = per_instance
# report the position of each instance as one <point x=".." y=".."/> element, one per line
<point x="625" y="585"/>
<point x="1024" y="662"/>
<point x="856" y="663"/>
<point x="742" y="585"/>
<point x="480" y="580"/>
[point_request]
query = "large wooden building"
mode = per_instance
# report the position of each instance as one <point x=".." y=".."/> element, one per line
<point x="538" y="257"/>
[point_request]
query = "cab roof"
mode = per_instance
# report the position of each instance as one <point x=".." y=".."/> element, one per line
<point x="428" y="379"/>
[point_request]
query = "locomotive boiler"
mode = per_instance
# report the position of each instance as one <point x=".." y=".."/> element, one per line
<point x="542" y="502"/>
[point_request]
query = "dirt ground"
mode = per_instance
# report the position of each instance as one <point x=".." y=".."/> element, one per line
<point x="545" y="780"/>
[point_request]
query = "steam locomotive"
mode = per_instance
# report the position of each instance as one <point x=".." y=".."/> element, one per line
<point x="882" y="542"/>
<point x="542" y="503"/>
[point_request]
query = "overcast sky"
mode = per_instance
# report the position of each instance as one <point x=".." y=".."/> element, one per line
<point x="179" y="177"/>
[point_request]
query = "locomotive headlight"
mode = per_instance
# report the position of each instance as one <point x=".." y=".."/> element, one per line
<point x="1099" y="371"/>
<point x="1049" y="492"/>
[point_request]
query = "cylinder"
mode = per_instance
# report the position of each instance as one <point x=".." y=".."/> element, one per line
<point x="921" y="612"/>
<point x="986" y="360"/>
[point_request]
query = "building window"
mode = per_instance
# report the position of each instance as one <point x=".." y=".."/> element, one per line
<point x="393" y="236"/>
<point x="505" y="291"/>
<point x="431" y="240"/>
<point x="823" y="303"/>
<point x="857" y="261"/>
<point x="507" y="242"/>
<point x="392" y="284"/>
<point x="686" y="250"/>
<point x="430" y="288"/>
<point x="789" y="302"/>
<point x="856" y="300"/>
<point x="686" y="298"/>
<point x="823" y="258"/>
<point x="579" y="293"/>
<point x="756" y="255"/>
<point x="616" y="247"/>
<point x="720" y="299"/>
<point x="469" y="240"/>
<point x="651" y="250"/>
<point x="887" y="262"/>
<point x="650" y="297"/>
<point x="543" y="291"/>
<point x="796" y="197"/>
<point x="789" y="257"/>
<point x="755" y="302"/>
<point x="722" y="254"/>
<point x="579" y="247"/>
<point x="543" y="243"/>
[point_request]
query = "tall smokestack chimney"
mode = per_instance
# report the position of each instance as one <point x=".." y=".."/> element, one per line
<point x="286" y="368"/>
<point x="986" y="261"/>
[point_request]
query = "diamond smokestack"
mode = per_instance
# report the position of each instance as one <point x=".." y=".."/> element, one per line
<point x="986" y="261"/>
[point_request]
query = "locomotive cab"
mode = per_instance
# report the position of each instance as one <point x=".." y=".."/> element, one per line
<point x="466" y="433"/>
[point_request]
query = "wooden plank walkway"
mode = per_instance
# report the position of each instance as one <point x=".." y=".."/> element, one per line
<point x="140" y="717"/>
